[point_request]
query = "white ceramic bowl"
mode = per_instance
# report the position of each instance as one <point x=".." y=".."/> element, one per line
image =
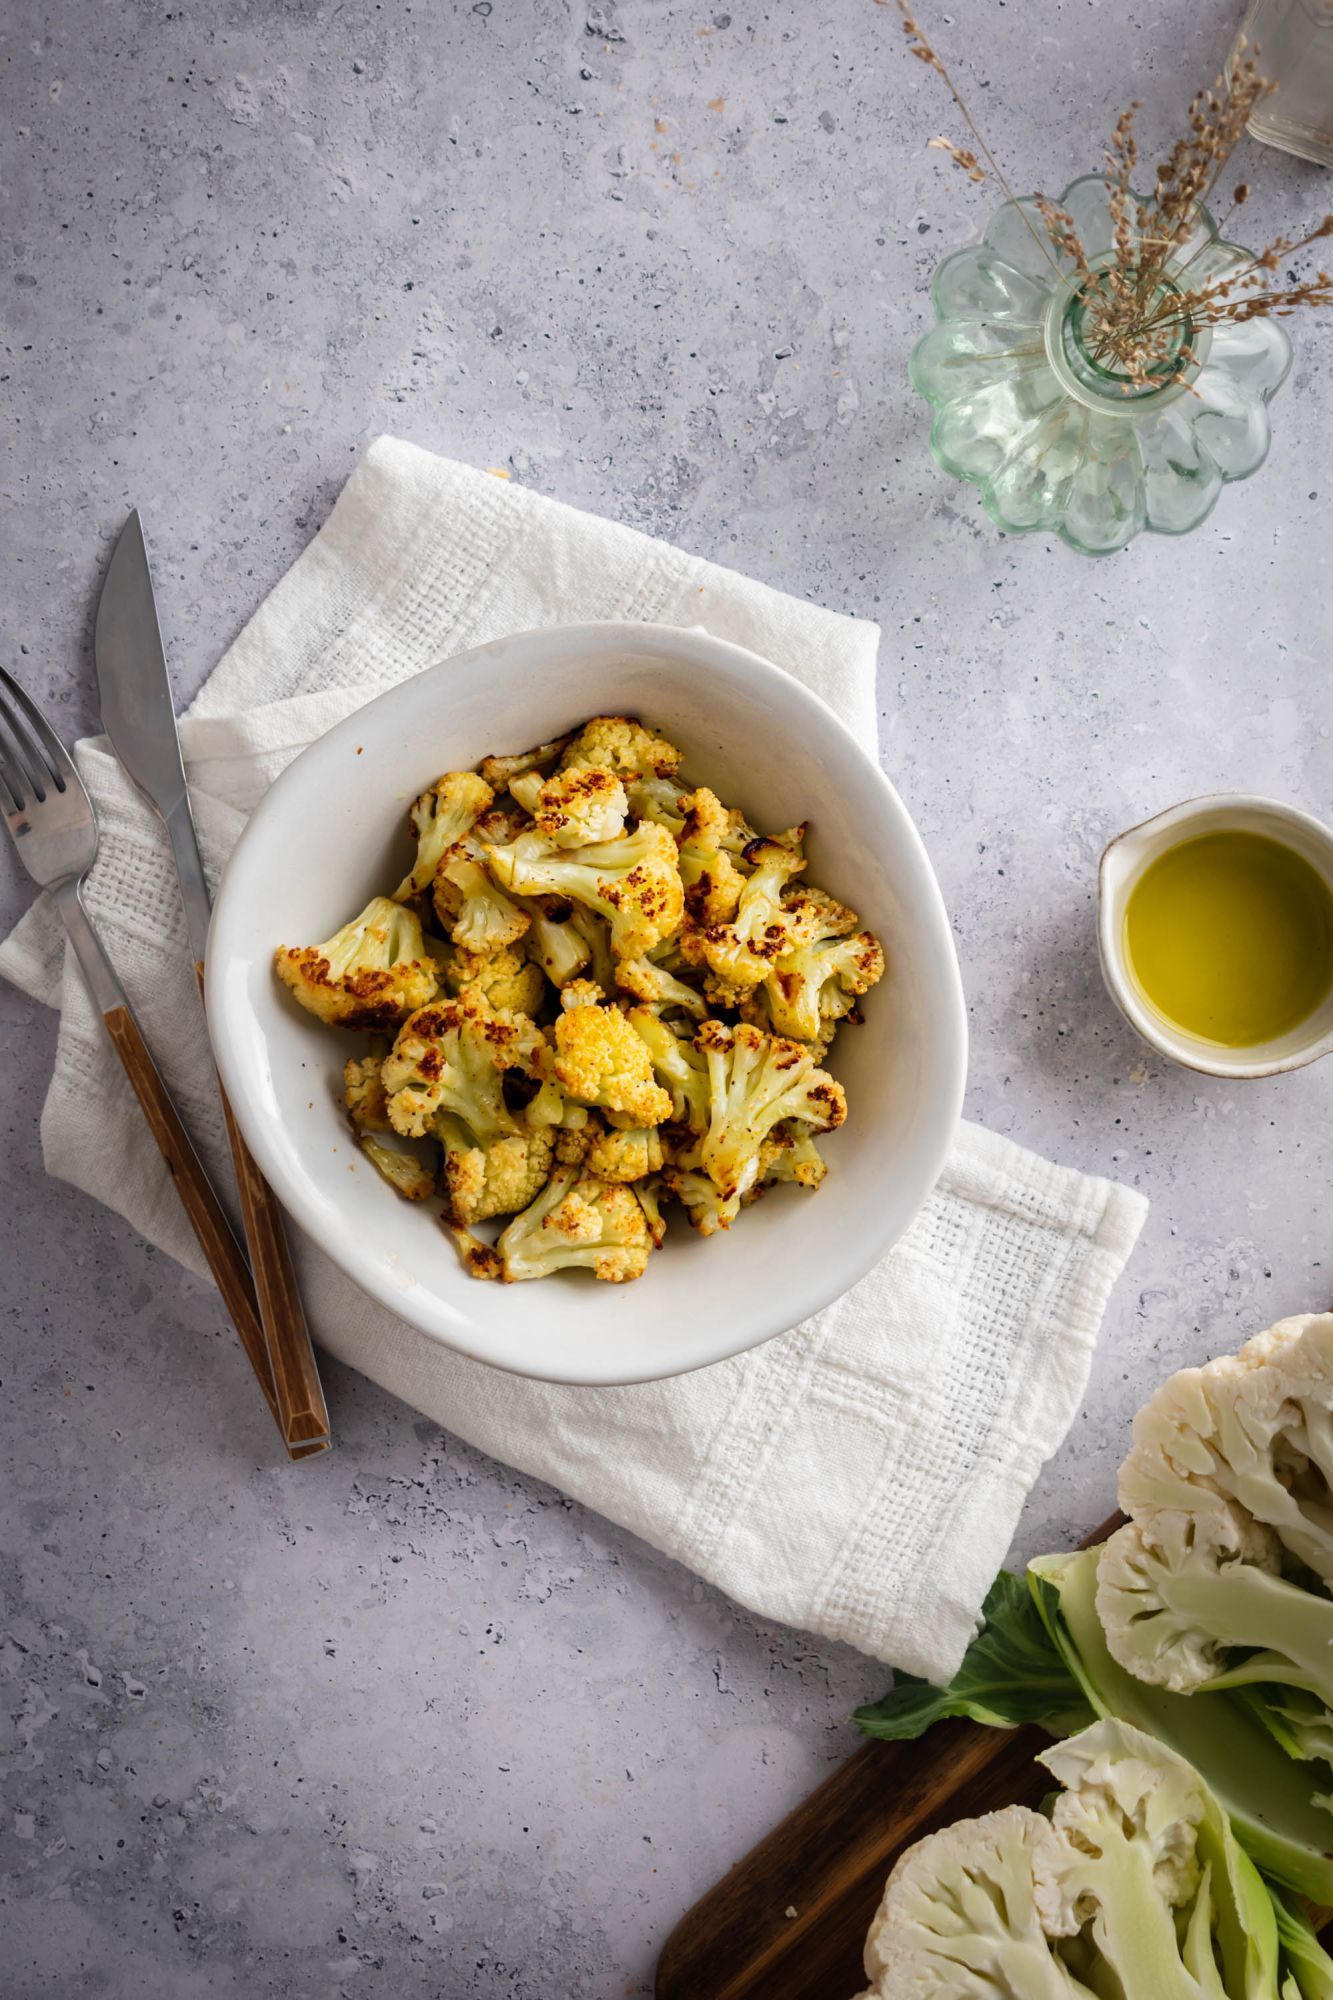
<point x="331" y="833"/>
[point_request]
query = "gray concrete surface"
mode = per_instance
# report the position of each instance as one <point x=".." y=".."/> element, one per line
<point x="402" y="1723"/>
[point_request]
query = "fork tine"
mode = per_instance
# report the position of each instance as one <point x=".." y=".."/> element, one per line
<point x="26" y="776"/>
<point x="49" y="757"/>
<point x="13" y="791"/>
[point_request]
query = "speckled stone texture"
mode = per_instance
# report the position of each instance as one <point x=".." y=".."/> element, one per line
<point x="400" y="1723"/>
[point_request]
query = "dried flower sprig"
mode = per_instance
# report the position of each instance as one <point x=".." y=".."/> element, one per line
<point x="1140" y="308"/>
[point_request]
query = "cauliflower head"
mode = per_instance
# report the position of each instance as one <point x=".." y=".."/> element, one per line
<point x="577" y="1223"/>
<point x="452" y="1056"/>
<point x="481" y="918"/>
<point x="632" y="882"/>
<point x="755" y="1082"/>
<point x="628" y="1153"/>
<point x="713" y="882"/>
<point x="580" y="807"/>
<point x="620" y="744"/>
<point x="1134" y="1886"/>
<point x="478" y="1182"/>
<point x="1190" y="1603"/>
<point x="1251" y="1431"/>
<point x="370" y="974"/>
<point x="822" y="978"/>
<point x="510" y="983"/>
<point x="439" y="818"/>
<point x="658" y="988"/>
<point x="741" y="951"/>
<point x="601" y="1060"/>
<point x="500" y="771"/>
<point x="363" y="1094"/>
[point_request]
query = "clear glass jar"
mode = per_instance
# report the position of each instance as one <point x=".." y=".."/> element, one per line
<point x="1293" y="41"/>
<point x="1059" y="442"/>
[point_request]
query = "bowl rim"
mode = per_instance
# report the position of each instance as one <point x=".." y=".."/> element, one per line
<point x="753" y="673"/>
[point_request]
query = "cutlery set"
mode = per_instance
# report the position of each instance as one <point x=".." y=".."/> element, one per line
<point x="54" y="828"/>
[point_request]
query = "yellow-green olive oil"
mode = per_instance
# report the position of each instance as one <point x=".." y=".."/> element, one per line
<point x="1229" y="936"/>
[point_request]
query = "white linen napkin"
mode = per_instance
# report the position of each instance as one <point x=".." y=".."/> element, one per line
<point x="860" y="1476"/>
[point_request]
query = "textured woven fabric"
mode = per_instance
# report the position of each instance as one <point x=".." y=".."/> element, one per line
<point x="859" y="1476"/>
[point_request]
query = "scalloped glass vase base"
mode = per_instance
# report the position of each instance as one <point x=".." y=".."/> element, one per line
<point x="1057" y="444"/>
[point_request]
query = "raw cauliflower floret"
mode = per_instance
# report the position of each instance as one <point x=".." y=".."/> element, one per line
<point x="578" y="808"/>
<point x="618" y="743"/>
<point x="713" y="882"/>
<point x="601" y="1060"/>
<point x="742" y="951"/>
<point x="363" y="1094"/>
<point x="575" y="1223"/>
<point x="481" y="1181"/>
<point x="755" y="1081"/>
<point x="633" y="882"/>
<point x="629" y="1154"/>
<point x="438" y="818"/>
<point x="511" y="984"/>
<point x="452" y="1057"/>
<point x="369" y="974"/>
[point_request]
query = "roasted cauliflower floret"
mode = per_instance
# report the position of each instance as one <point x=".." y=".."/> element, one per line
<point x="678" y="1065"/>
<point x="452" y="1057"/>
<point x="790" y="1154"/>
<point x="579" y="808"/>
<point x="438" y="818"/>
<point x="618" y="743"/>
<point x="363" y="1094"/>
<point x="369" y="974"/>
<point x="556" y="944"/>
<point x="705" y="1209"/>
<point x="576" y="1223"/>
<point x="633" y="882"/>
<point x="658" y="988"/>
<point x="602" y="1061"/>
<point x="406" y="1174"/>
<point x="511" y="984"/>
<point x="713" y="882"/>
<point x="755" y="1081"/>
<point x="481" y="918"/>
<point x="648" y="1194"/>
<point x="742" y="951"/>
<point x="630" y="1154"/>
<point x="499" y="771"/>
<point x="823" y="978"/>
<point x="478" y="1182"/>
<point x="659" y="799"/>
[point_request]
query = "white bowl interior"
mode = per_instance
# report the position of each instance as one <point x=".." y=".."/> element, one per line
<point x="330" y="833"/>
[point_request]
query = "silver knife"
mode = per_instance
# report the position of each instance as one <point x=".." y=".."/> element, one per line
<point x="140" y="718"/>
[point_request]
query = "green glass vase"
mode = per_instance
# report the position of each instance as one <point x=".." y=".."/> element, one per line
<point x="1057" y="440"/>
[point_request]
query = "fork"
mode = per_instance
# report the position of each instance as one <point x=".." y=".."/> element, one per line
<point x="54" y="828"/>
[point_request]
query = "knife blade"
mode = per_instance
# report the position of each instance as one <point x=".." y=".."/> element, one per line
<point x="139" y="715"/>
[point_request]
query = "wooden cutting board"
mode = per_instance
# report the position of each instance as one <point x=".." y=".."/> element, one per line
<point x="789" y="1921"/>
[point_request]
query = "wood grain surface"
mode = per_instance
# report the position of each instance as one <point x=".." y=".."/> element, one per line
<point x="222" y="1252"/>
<point x="789" y="1921"/>
<point x="302" y="1414"/>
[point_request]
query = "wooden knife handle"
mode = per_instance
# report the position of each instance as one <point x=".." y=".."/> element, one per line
<point x="302" y="1411"/>
<point x="201" y="1205"/>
